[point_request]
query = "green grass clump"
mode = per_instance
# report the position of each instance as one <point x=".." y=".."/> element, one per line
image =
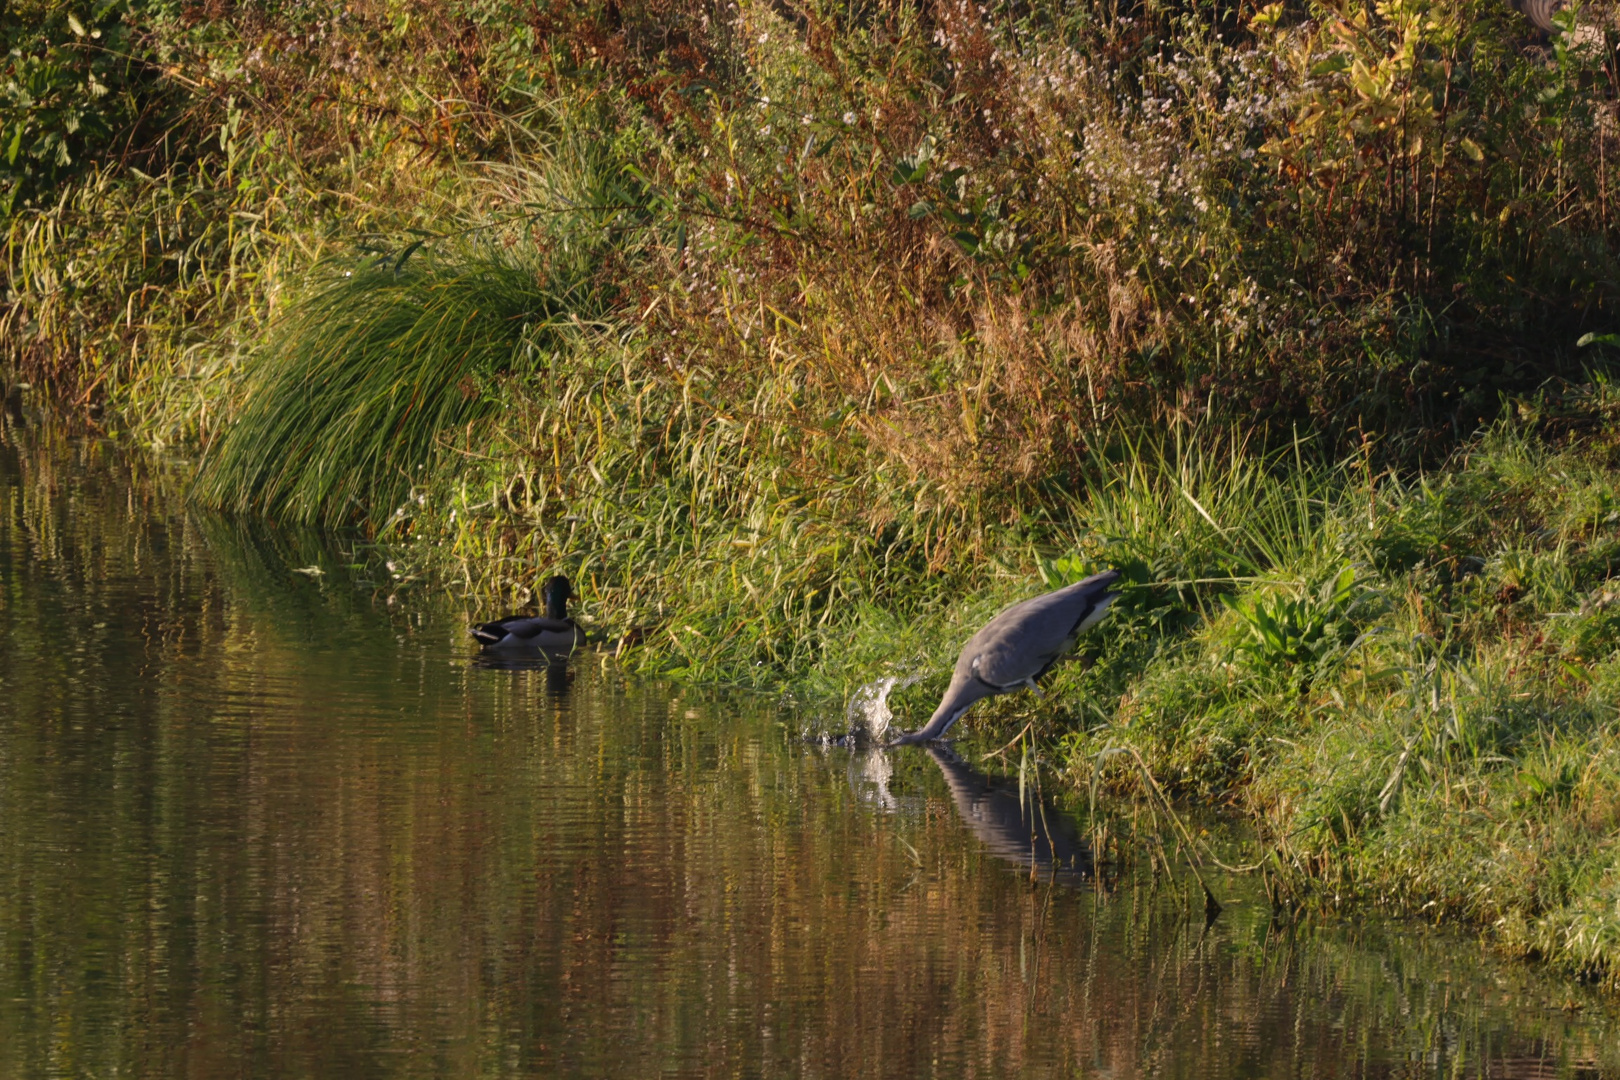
<point x="1436" y="733"/>
<point x="382" y="364"/>
<point x="364" y="378"/>
<point x="1303" y="625"/>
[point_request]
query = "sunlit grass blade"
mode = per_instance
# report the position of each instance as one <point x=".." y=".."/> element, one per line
<point x="363" y="377"/>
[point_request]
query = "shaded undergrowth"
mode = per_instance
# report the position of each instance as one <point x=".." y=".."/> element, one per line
<point x="805" y="338"/>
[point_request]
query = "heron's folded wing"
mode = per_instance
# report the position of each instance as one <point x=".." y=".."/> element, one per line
<point x="1021" y="642"/>
<point x="1541" y="12"/>
<point x="1024" y="640"/>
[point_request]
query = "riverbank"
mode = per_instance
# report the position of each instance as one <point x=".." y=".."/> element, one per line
<point x="1407" y="686"/>
<point x="805" y="342"/>
<point x="373" y="852"/>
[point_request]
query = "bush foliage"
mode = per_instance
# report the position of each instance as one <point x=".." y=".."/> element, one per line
<point x="807" y="335"/>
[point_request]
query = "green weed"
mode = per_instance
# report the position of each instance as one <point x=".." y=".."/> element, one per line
<point x="1299" y="625"/>
<point x="356" y="390"/>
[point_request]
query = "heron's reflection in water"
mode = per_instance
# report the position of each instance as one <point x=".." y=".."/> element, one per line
<point x="554" y="663"/>
<point x="1020" y="831"/>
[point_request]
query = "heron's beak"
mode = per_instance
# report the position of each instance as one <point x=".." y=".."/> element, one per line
<point x="936" y="728"/>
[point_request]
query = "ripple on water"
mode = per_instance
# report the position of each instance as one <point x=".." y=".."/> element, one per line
<point x="265" y="825"/>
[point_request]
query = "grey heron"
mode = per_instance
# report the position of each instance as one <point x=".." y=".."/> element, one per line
<point x="1017" y="647"/>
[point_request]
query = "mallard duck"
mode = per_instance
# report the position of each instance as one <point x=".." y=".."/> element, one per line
<point x="553" y="631"/>
<point x="1017" y="647"/>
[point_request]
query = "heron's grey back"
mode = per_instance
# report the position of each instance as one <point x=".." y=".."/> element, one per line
<point x="1023" y="641"/>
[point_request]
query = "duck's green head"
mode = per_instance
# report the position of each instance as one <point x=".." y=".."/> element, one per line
<point x="556" y="593"/>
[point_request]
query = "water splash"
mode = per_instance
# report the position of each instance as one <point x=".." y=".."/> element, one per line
<point x="868" y="712"/>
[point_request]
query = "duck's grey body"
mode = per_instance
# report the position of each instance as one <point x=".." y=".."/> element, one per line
<point x="554" y="631"/>
<point x="1017" y="647"/>
<point x="529" y="632"/>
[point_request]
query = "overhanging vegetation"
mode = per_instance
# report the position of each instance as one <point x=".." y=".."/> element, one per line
<point x="805" y="336"/>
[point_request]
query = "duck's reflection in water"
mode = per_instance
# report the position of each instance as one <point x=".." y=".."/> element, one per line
<point x="1020" y="831"/>
<point x="554" y="663"/>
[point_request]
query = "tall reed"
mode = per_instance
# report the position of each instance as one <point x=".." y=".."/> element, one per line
<point x="364" y="377"/>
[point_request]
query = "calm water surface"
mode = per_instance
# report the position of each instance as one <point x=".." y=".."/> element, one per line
<point x="260" y="823"/>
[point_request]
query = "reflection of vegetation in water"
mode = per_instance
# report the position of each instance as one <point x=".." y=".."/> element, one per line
<point x="866" y="311"/>
<point x="254" y="831"/>
<point x="1013" y="823"/>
